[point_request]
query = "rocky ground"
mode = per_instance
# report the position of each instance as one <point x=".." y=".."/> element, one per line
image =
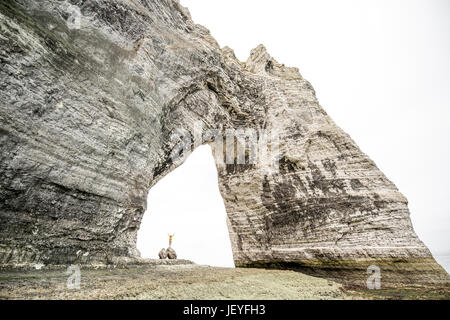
<point x="190" y="281"/>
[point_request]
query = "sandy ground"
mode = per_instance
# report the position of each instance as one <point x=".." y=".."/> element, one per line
<point x="188" y="282"/>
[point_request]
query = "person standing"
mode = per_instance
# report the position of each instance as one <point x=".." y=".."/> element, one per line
<point x="170" y="240"/>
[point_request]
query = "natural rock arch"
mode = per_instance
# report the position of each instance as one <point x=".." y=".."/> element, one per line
<point x="88" y="110"/>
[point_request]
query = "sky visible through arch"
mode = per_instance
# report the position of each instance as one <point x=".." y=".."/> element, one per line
<point x="187" y="203"/>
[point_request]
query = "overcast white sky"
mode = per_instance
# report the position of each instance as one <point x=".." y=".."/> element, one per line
<point x="381" y="69"/>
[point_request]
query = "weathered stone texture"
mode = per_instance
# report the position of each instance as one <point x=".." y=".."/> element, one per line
<point x="162" y="254"/>
<point x="86" y="116"/>
<point x="171" y="253"/>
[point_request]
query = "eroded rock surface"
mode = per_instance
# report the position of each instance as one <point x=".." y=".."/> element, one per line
<point x="91" y="92"/>
<point x="162" y="254"/>
<point x="171" y="253"/>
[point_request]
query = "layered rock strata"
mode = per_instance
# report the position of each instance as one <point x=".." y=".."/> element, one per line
<point x="91" y="93"/>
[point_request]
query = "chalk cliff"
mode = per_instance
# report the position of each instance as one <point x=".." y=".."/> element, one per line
<point x="91" y="93"/>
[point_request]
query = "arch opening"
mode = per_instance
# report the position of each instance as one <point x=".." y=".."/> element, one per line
<point x="188" y="204"/>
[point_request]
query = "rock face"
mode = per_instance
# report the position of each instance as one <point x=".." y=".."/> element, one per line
<point x="171" y="254"/>
<point x="91" y="92"/>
